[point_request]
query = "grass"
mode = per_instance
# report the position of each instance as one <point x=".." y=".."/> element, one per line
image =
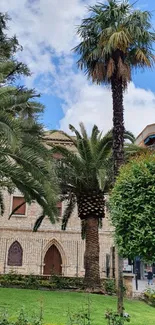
<point x="57" y="304"/>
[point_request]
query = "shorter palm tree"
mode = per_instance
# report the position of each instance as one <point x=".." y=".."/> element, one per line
<point x="83" y="178"/>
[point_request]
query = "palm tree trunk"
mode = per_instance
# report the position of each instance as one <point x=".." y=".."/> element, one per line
<point x="118" y="156"/>
<point x="92" y="270"/>
<point x="118" y="123"/>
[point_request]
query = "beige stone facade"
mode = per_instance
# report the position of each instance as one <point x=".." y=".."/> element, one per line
<point x="34" y="246"/>
<point x="147" y="136"/>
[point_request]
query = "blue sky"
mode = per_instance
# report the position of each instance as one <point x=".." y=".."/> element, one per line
<point x="46" y="29"/>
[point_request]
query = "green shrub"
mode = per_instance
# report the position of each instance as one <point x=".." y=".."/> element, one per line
<point x="22" y="319"/>
<point x="81" y="317"/>
<point x="46" y="284"/>
<point x="51" y="283"/>
<point x="20" y="283"/>
<point x="4" y="320"/>
<point x="32" y="282"/>
<point x="149" y="297"/>
<point x="109" y="286"/>
<point x="10" y="277"/>
<point x="114" y="318"/>
<point x="132" y="207"/>
<point x="66" y="282"/>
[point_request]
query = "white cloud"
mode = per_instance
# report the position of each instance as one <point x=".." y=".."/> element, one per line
<point x="44" y="27"/>
<point x="47" y="31"/>
<point x="94" y="106"/>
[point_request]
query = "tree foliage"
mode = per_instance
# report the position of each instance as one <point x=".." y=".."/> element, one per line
<point x="132" y="208"/>
<point x="87" y="168"/>
<point x="115" y="39"/>
<point x="25" y="163"/>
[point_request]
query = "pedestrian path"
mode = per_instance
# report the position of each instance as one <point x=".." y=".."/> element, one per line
<point x="142" y="286"/>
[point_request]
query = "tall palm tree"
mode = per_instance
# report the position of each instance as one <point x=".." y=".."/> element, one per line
<point x="115" y="39"/>
<point x="83" y="179"/>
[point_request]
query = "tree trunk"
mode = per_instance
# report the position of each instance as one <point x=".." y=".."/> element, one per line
<point x="118" y="123"/>
<point x="118" y="156"/>
<point x="91" y="259"/>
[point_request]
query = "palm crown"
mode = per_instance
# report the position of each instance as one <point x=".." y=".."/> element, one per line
<point x="83" y="173"/>
<point x="115" y="39"/>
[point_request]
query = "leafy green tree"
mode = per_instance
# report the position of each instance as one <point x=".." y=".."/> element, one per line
<point x="83" y="180"/>
<point x="132" y="208"/>
<point x="115" y="40"/>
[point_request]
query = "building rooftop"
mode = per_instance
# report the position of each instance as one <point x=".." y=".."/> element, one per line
<point x="147" y="136"/>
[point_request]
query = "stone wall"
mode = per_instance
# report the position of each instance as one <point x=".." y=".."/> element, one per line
<point x="35" y="245"/>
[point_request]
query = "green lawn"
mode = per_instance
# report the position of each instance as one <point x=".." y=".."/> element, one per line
<point x="57" y="304"/>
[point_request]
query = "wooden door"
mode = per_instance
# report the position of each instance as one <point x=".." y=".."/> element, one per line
<point x="53" y="261"/>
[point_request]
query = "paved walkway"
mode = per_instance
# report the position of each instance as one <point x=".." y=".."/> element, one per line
<point x="142" y="285"/>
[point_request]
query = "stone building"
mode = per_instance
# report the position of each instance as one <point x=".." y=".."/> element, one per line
<point x="50" y="249"/>
<point x="147" y="136"/>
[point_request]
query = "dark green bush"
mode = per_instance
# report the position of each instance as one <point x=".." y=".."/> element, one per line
<point x="13" y="279"/>
<point x="51" y="282"/>
<point x="66" y="282"/>
<point x="20" y="283"/>
<point x="32" y="282"/>
<point x="46" y="284"/>
<point x="109" y="286"/>
<point x="11" y="276"/>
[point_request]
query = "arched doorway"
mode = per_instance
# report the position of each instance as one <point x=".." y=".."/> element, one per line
<point x="52" y="261"/>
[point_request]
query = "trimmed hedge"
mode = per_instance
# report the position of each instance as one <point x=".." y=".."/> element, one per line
<point x="51" y="282"/>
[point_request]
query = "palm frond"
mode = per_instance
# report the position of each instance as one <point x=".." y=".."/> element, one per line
<point x="115" y="38"/>
<point x="38" y="223"/>
<point x="83" y="229"/>
<point x="70" y="205"/>
<point x="9" y="128"/>
<point x="2" y="207"/>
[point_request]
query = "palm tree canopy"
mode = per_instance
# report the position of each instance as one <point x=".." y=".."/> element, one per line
<point x="83" y="172"/>
<point x="25" y="163"/>
<point x="115" y="39"/>
<point x="9" y="46"/>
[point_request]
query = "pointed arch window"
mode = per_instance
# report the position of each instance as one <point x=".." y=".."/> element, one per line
<point x="15" y="254"/>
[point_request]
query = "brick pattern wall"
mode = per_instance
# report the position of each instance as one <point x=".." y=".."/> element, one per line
<point x="35" y="245"/>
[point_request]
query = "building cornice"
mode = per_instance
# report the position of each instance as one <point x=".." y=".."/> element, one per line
<point x="51" y="231"/>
